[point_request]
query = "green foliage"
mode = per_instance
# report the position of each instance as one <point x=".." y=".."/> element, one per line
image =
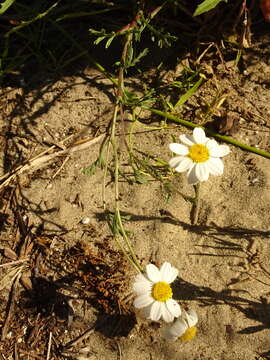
<point x="189" y="93"/>
<point x="206" y="5"/>
<point x="132" y="59"/>
<point x="5" y="5"/>
<point x="158" y="35"/>
<point x="26" y="23"/>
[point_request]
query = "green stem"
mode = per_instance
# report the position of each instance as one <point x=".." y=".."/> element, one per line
<point x="196" y="206"/>
<point x="133" y="259"/>
<point x="130" y="260"/>
<point x="211" y="132"/>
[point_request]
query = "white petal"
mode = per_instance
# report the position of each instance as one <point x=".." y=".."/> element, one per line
<point x="153" y="273"/>
<point x="215" y="166"/>
<point x="187" y="139"/>
<point x="173" y="307"/>
<point x="178" y="149"/>
<point x="167" y="316"/>
<point x="175" y="161"/>
<point x="192" y="177"/>
<point x="212" y="146"/>
<point x="142" y="301"/>
<point x="142" y="286"/>
<point x="179" y="327"/>
<point x="224" y="150"/>
<point x="199" y="136"/>
<point x="155" y="312"/>
<point x="192" y="317"/>
<point x="201" y="171"/>
<point x="140" y="277"/>
<point x="184" y="164"/>
<point x="217" y="150"/>
<point x="168" y="335"/>
<point x="168" y="272"/>
<point x="174" y="331"/>
<point x="146" y="311"/>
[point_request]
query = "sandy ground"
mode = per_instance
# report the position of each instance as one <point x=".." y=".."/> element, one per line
<point x="76" y="278"/>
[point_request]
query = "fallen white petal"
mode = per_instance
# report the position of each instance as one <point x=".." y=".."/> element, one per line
<point x="191" y="317"/>
<point x="168" y="335"/>
<point x="153" y="273"/>
<point x="174" y="331"/>
<point x="179" y="327"/>
<point x="178" y="149"/>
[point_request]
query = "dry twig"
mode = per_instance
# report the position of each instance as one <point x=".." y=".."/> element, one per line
<point x="49" y="346"/>
<point x="11" y="307"/>
<point x="79" y="338"/>
<point x="41" y="160"/>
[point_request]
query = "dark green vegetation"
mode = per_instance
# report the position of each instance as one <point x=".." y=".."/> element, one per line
<point x="59" y="36"/>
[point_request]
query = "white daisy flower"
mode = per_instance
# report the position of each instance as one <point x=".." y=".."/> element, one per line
<point x="154" y="293"/>
<point x="184" y="328"/>
<point x="199" y="155"/>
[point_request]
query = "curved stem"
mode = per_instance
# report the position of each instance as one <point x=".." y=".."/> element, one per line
<point x="132" y="259"/>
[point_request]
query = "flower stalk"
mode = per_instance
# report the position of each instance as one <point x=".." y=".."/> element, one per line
<point x="224" y="138"/>
<point x="196" y="205"/>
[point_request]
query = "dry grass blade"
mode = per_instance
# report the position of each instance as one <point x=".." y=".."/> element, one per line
<point x="12" y="263"/>
<point x="31" y="354"/>
<point x="79" y="338"/>
<point x="10" y="277"/>
<point x="11" y="307"/>
<point x="49" y="346"/>
<point x="42" y="160"/>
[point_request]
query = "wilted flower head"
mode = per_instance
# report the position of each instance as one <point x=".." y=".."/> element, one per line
<point x="199" y="155"/>
<point x="154" y="293"/>
<point x="184" y="328"/>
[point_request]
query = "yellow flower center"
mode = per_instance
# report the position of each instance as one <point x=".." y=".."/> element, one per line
<point x="161" y="291"/>
<point x="189" y="334"/>
<point x="198" y="153"/>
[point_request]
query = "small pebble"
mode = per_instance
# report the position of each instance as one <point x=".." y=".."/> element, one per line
<point x="255" y="180"/>
<point x="85" y="220"/>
